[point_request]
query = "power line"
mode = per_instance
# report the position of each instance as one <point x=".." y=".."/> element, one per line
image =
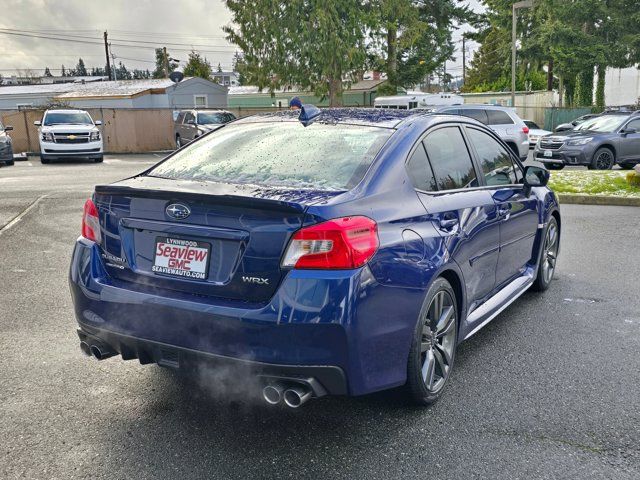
<point x="92" y="41"/>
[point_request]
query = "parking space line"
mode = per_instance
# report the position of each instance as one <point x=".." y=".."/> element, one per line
<point x="22" y="214"/>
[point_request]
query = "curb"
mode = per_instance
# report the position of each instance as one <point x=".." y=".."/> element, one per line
<point x="598" y="200"/>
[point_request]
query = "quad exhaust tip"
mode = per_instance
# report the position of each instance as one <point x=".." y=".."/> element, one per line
<point x="297" y="396"/>
<point x="98" y="351"/>
<point x="273" y="393"/>
<point x="294" y="396"/>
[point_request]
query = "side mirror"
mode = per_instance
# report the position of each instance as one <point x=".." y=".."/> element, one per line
<point x="8" y="128"/>
<point x="535" y="176"/>
<point x="574" y="123"/>
<point x="97" y="123"/>
<point x="191" y="122"/>
<point x="628" y="130"/>
<point x="37" y="123"/>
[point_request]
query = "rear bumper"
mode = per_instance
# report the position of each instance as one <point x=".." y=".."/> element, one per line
<point x="331" y="378"/>
<point x="341" y="324"/>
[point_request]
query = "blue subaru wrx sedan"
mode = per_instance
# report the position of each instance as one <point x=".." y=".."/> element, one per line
<point x="339" y="252"/>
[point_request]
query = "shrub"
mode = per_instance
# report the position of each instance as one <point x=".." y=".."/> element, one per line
<point x="633" y="179"/>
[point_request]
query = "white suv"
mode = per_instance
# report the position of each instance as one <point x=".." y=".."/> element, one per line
<point x="502" y="120"/>
<point x="69" y="133"/>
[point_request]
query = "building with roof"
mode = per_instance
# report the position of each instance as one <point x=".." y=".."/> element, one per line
<point x="359" y="94"/>
<point x="155" y="93"/>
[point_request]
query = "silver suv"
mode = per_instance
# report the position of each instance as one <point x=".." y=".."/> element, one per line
<point x="502" y="120"/>
<point x="190" y="124"/>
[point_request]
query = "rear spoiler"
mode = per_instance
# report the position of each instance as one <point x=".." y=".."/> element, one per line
<point x="266" y="199"/>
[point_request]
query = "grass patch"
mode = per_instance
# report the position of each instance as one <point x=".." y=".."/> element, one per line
<point x="587" y="182"/>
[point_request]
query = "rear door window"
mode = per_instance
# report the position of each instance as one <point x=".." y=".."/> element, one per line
<point x="475" y="113"/>
<point x="420" y="171"/>
<point x="498" y="117"/>
<point x="495" y="161"/>
<point x="450" y="159"/>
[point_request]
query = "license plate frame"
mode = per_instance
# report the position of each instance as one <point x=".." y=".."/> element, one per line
<point x="172" y="258"/>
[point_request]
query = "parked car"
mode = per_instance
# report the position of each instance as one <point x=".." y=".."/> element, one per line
<point x="354" y="260"/>
<point x="535" y="133"/>
<point x="502" y="120"/>
<point x="191" y="124"/>
<point x="69" y="133"/>
<point x="6" y="146"/>
<point x="563" y="127"/>
<point x="599" y="143"/>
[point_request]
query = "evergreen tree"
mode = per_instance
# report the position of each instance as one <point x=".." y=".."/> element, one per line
<point x="197" y="66"/>
<point x="81" y="70"/>
<point x="160" y="64"/>
<point x="300" y="42"/>
<point x="63" y="72"/>
<point x="415" y="37"/>
<point x="47" y="72"/>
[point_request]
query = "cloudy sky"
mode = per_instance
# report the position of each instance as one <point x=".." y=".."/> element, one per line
<point x="135" y="28"/>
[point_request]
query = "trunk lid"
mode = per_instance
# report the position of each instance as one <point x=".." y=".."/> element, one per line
<point x="243" y="229"/>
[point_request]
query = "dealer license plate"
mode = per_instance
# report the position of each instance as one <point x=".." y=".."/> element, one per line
<point x="181" y="258"/>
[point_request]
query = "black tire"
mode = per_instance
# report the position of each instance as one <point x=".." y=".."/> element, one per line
<point x="554" y="166"/>
<point x="44" y="160"/>
<point x="98" y="160"/>
<point x="627" y="166"/>
<point x="548" y="256"/>
<point x="603" y="159"/>
<point x="178" y="142"/>
<point x="9" y="163"/>
<point x="434" y="341"/>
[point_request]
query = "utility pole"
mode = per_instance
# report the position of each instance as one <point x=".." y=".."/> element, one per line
<point x="166" y="62"/>
<point x="464" y="60"/>
<point x="444" y="76"/>
<point x="106" y="52"/>
<point x="514" y="19"/>
<point x="115" y="71"/>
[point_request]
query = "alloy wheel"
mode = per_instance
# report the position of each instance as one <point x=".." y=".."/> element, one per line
<point x="604" y="161"/>
<point x="550" y="252"/>
<point x="438" y="341"/>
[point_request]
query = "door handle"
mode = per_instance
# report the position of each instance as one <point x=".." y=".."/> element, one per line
<point x="448" y="223"/>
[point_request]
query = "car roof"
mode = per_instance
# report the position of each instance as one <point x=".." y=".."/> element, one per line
<point x="381" y="117"/>
<point x="65" y="110"/>
<point x="209" y="110"/>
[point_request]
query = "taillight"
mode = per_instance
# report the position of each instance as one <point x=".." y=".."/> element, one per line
<point x="341" y="243"/>
<point x="525" y="129"/>
<point x="90" y="222"/>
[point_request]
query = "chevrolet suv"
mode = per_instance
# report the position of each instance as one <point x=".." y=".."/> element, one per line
<point x="502" y="120"/>
<point x="69" y="134"/>
<point x="599" y="143"/>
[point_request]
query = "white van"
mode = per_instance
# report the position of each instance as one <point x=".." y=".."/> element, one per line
<point x="418" y="100"/>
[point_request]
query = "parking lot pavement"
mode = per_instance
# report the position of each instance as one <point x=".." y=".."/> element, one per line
<point x="547" y="390"/>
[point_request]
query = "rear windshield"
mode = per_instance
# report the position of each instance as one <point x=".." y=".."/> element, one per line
<point x="81" y="118"/>
<point x="286" y="154"/>
<point x="208" y="118"/>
